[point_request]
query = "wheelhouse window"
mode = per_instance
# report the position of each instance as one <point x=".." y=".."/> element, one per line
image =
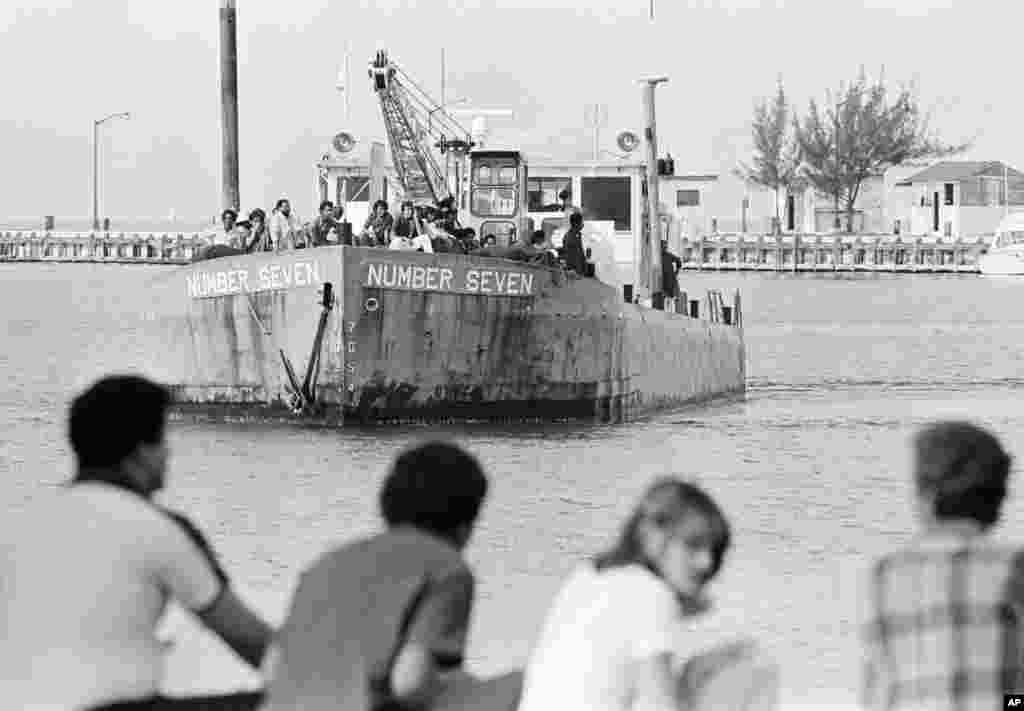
<point x="608" y="198"/>
<point x="357" y="189"/>
<point x="687" y="198"/>
<point x="494" y="202"/>
<point x="1007" y="239"/>
<point x="543" y="193"/>
<point x="496" y="172"/>
<point x="504" y="233"/>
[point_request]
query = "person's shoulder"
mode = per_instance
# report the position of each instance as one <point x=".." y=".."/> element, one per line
<point x="438" y="557"/>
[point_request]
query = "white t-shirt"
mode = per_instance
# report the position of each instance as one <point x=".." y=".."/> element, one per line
<point x="403" y="244"/>
<point x="85" y="576"/>
<point x="599" y="623"/>
<point x="422" y="242"/>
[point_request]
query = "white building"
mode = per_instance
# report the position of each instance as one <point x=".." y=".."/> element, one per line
<point x="958" y="198"/>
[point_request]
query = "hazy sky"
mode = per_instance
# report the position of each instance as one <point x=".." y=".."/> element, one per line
<point x="67" y="63"/>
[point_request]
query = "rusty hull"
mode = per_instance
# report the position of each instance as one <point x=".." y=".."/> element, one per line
<point x="569" y="349"/>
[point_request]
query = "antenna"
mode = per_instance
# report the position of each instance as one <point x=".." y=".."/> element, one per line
<point x="595" y="116"/>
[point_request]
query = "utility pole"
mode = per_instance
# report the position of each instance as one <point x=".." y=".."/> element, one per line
<point x="654" y="221"/>
<point x="442" y="79"/>
<point x="229" y="106"/>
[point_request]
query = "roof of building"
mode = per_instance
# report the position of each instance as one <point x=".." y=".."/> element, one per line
<point x="954" y="171"/>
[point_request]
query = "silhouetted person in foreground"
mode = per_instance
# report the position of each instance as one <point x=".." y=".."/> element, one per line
<point x="381" y="623"/>
<point x="943" y="613"/>
<point x="95" y="563"/>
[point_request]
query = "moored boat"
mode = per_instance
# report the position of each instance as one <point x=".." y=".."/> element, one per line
<point x="1006" y="256"/>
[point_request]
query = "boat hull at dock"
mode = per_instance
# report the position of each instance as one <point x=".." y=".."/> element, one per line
<point x="412" y="336"/>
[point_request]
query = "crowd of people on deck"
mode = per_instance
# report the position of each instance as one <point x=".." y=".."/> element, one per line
<point x="420" y="228"/>
<point x="380" y="623"/>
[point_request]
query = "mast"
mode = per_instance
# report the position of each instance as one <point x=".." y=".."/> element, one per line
<point x="229" y="106"/>
<point x="654" y="222"/>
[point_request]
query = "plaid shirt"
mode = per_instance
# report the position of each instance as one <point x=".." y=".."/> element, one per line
<point x="944" y="625"/>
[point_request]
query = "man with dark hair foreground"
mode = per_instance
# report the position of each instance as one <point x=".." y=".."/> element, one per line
<point x="381" y="623"/>
<point x="943" y="613"/>
<point x="95" y="564"/>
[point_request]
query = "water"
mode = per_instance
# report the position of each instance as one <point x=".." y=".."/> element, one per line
<point x="811" y="467"/>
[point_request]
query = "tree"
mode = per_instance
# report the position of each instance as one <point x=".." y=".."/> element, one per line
<point x="776" y="152"/>
<point x="860" y="132"/>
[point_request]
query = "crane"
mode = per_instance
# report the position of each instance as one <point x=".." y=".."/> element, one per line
<point x="414" y="123"/>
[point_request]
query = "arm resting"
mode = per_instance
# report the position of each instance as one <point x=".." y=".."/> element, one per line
<point x="240" y="628"/>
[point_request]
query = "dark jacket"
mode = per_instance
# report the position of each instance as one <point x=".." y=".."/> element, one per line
<point x="575" y="257"/>
<point x="319" y="229"/>
<point x="670" y="266"/>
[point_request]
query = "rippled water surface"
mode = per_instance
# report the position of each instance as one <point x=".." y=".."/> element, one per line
<point x="811" y="466"/>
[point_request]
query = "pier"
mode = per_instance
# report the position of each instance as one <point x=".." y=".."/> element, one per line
<point x="112" y="247"/>
<point x="833" y="253"/>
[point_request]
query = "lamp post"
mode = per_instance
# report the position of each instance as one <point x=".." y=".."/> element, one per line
<point x="96" y="164"/>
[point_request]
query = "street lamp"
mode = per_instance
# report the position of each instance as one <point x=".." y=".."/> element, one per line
<point x="96" y="164"/>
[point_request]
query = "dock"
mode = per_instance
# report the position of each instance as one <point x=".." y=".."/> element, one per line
<point x="833" y="253"/>
<point x="717" y="252"/>
<point x="99" y="247"/>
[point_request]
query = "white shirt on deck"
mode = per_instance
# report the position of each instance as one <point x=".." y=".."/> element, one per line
<point x="402" y="244"/>
<point x="599" y="623"/>
<point x="422" y="242"/>
<point x="85" y="576"/>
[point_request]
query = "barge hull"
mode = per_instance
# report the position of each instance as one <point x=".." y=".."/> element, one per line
<point x="429" y="337"/>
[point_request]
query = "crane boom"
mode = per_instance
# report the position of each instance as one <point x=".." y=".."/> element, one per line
<point x="413" y="122"/>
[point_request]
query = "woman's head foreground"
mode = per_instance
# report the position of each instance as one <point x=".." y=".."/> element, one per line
<point x="678" y="532"/>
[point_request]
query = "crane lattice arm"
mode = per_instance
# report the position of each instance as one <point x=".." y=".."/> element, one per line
<point x="414" y="123"/>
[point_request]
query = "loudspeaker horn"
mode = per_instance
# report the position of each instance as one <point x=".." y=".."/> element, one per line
<point x="628" y="141"/>
<point x="343" y="142"/>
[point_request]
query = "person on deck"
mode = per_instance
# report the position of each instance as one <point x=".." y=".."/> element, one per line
<point x="323" y="225"/>
<point x="622" y="631"/>
<point x="243" y="234"/>
<point x="941" y="614"/>
<point x="285" y="227"/>
<point x="670" y="266"/>
<point x="90" y="568"/>
<point x="226" y="235"/>
<point x="572" y="245"/>
<point x="405" y="224"/>
<point x="378" y="226"/>
<point x="381" y="623"/>
<point x="260" y="239"/>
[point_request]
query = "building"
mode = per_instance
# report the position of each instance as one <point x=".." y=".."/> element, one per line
<point x="958" y="198"/>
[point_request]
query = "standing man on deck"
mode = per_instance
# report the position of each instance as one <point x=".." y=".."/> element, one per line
<point x="86" y="571"/>
<point x="670" y="266"/>
<point x="572" y="244"/>
<point x="284" y="226"/>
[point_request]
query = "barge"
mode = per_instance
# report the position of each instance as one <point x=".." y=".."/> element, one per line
<point x="340" y="334"/>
